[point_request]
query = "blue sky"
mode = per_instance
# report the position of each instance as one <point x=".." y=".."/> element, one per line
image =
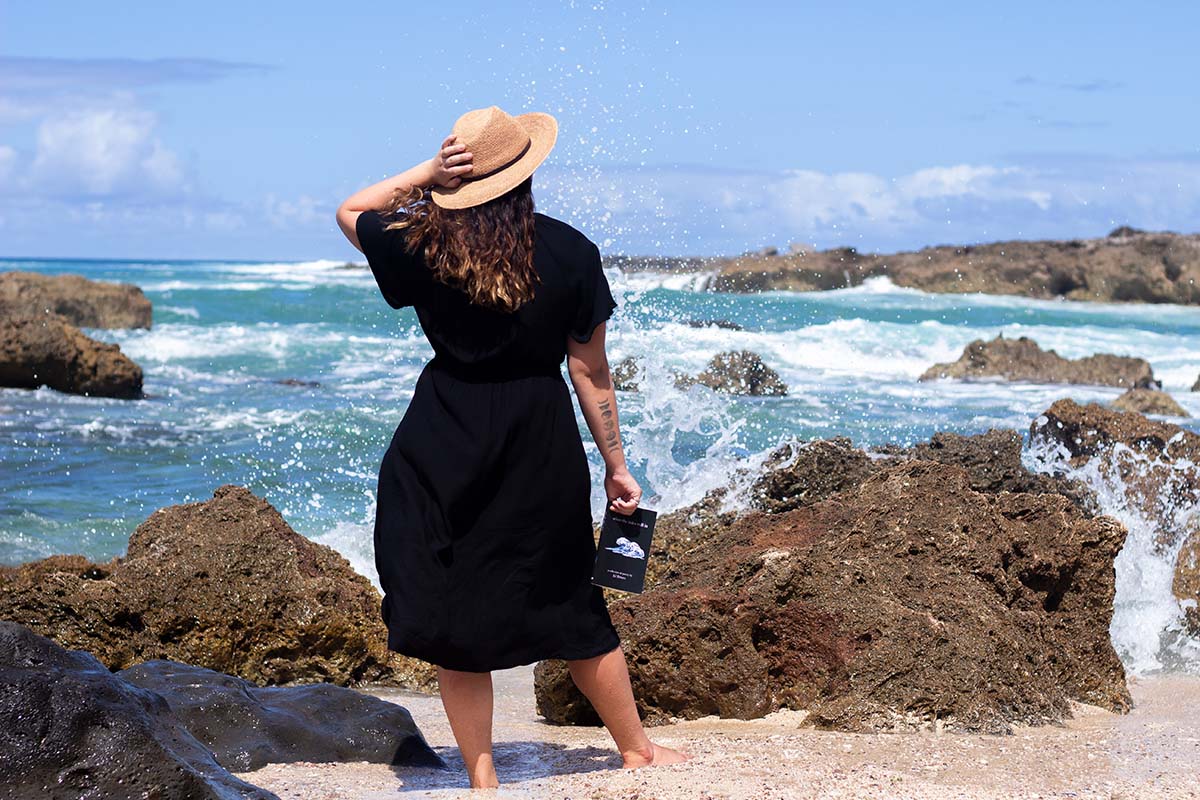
<point x="233" y="130"/>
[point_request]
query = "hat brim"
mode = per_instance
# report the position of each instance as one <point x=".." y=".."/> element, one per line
<point x="543" y="132"/>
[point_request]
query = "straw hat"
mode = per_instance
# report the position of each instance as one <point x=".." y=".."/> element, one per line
<point x="505" y="150"/>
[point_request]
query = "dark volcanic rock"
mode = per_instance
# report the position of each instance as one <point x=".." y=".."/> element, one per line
<point x="909" y="600"/>
<point x="1133" y="266"/>
<point x="740" y="372"/>
<point x="224" y="584"/>
<point x="46" y="350"/>
<point x="71" y="729"/>
<point x="1149" y="401"/>
<point x="1196" y="385"/>
<point x="1022" y="360"/>
<point x="248" y="726"/>
<point x="82" y="302"/>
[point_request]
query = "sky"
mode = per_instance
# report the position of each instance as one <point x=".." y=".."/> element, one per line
<point x="223" y="130"/>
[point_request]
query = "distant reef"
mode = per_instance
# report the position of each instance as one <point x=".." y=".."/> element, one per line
<point x="1128" y="265"/>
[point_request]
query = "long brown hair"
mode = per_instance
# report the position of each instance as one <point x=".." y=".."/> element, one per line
<point x="485" y="250"/>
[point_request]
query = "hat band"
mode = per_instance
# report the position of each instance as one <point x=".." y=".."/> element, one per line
<point x="505" y="165"/>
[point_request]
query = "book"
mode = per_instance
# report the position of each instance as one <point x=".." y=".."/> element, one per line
<point x="621" y="553"/>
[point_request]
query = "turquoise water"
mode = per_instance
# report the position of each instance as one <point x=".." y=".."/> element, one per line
<point x="78" y="474"/>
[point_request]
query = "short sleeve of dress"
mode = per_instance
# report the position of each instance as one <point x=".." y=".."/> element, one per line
<point x="395" y="269"/>
<point x="595" y="302"/>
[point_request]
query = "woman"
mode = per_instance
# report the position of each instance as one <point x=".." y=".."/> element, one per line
<point x="483" y="529"/>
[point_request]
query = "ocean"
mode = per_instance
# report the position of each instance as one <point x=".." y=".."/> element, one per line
<point x="290" y="377"/>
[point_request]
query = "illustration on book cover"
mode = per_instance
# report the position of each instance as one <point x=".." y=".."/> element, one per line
<point x="621" y="554"/>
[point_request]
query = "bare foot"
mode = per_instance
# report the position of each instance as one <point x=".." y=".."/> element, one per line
<point x="657" y="756"/>
<point x="486" y="783"/>
<point x="483" y="776"/>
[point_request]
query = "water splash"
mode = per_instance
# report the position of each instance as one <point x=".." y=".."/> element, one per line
<point x="1147" y="628"/>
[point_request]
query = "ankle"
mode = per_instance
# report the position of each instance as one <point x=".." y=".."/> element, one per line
<point x="484" y="780"/>
<point x="482" y="773"/>
<point x="640" y="755"/>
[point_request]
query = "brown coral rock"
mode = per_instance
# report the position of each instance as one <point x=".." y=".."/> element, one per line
<point x="82" y="302"/>
<point x="1157" y="463"/>
<point x="1149" y="401"/>
<point x="46" y="350"/>
<point x="909" y="600"/>
<point x="224" y="584"/>
<point x="1128" y="265"/>
<point x="1187" y="579"/>
<point x="741" y="372"/>
<point x="1022" y="360"/>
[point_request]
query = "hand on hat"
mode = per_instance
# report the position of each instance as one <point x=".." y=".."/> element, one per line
<point x="451" y="163"/>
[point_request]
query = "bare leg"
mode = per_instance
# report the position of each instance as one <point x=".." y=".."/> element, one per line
<point x="604" y="680"/>
<point x="467" y="698"/>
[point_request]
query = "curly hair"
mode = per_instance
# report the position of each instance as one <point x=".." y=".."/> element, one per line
<point x="485" y="250"/>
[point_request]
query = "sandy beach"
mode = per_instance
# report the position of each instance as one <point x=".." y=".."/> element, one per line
<point x="1153" y="752"/>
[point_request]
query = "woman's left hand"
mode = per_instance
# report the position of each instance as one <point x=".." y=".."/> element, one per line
<point x="451" y="163"/>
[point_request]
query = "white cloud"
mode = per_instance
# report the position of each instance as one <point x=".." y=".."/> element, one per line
<point x="104" y="152"/>
<point x="698" y="210"/>
<point x="303" y="211"/>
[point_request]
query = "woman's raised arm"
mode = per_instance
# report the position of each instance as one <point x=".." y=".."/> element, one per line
<point x="444" y="169"/>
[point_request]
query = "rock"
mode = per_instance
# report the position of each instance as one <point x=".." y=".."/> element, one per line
<point x="799" y="475"/>
<point x="993" y="462"/>
<point x="80" y="301"/>
<point x="1196" y="385"/>
<point x="1153" y="465"/>
<point x="71" y="729"/>
<point x="1124" y="232"/>
<point x="248" y="726"/>
<point x="1186" y="584"/>
<point x="625" y="374"/>
<point x="298" y="382"/>
<point x="1084" y="431"/>
<point x="224" y="584"/>
<point x="1022" y="360"/>
<point x="1127" y="266"/>
<point x="1149" y="401"/>
<point x="46" y="350"/>
<point x="741" y="372"/>
<point x="909" y="601"/>
<point x="724" y="324"/>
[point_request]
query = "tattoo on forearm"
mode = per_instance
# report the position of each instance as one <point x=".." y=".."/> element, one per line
<point x="611" y="440"/>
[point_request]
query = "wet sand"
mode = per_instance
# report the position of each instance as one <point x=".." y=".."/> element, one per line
<point x="1153" y="752"/>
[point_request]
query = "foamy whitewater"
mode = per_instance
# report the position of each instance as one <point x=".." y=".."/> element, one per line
<point x="78" y="474"/>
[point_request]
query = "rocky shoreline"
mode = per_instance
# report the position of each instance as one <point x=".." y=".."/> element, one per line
<point x="942" y="586"/>
<point x="1128" y="265"/>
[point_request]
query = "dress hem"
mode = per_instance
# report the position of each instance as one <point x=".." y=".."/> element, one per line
<point x="531" y="656"/>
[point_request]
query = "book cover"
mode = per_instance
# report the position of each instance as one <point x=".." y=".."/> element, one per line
<point x="621" y="553"/>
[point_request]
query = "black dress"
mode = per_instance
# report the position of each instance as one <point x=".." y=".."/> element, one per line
<point x="483" y="525"/>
